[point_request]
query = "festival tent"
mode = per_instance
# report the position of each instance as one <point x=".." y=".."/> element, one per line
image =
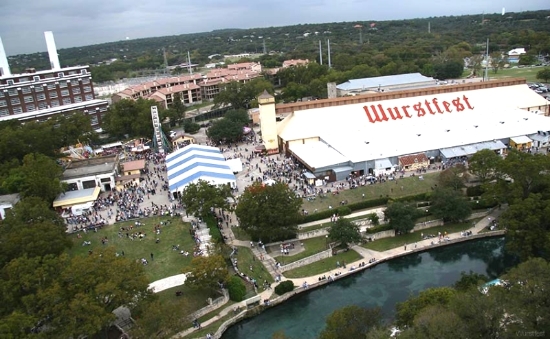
<point x="197" y="162"/>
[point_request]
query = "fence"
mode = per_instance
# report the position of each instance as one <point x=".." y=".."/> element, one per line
<point x="311" y="259"/>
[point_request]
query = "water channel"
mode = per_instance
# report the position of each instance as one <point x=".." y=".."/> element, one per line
<point x="384" y="285"/>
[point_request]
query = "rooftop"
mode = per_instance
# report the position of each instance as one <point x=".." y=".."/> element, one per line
<point x="385" y="81"/>
<point x="9" y="199"/>
<point x="92" y="166"/>
<point x="133" y="165"/>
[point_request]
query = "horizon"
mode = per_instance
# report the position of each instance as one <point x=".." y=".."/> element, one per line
<point x="77" y="24"/>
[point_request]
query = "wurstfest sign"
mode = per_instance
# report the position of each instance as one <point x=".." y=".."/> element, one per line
<point x="380" y="113"/>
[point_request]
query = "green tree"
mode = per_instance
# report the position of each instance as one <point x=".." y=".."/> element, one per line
<point x="236" y="288"/>
<point x="345" y="232"/>
<point x="351" y="322"/>
<point x="373" y="218"/>
<point x="33" y="230"/>
<point x="269" y="212"/>
<point x="409" y="309"/>
<point x="528" y="227"/>
<point x="401" y="217"/>
<point x="201" y="197"/>
<point x="525" y="170"/>
<point x="453" y="177"/>
<point x="544" y="74"/>
<point x="178" y="107"/>
<point x="229" y="128"/>
<point x="130" y="118"/>
<point x="450" y="205"/>
<point x="485" y="164"/>
<point x="208" y="272"/>
<point x="42" y="177"/>
<point x="242" y="95"/>
<point x="469" y="280"/>
<point x="155" y="319"/>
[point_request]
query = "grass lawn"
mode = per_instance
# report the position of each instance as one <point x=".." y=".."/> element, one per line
<point x="323" y="266"/>
<point x="411" y="185"/>
<point x="529" y="73"/>
<point x="311" y="246"/>
<point x="245" y="260"/>
<point x="240" y="234"/>
<point x="166" y="262"/>
<point x="398" y="241"/>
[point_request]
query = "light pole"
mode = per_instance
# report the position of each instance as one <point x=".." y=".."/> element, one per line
<point x="326" y="241"/>
<point x="426" y="219"/>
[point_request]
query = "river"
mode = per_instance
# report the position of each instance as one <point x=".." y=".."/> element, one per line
<point x="384" y="285"/>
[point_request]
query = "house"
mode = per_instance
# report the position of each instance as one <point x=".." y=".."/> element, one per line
<point x="90" y="173"/>
<point x="6" y="203"/>
<point x="133" y="167"/>
<point x="412" y="162"/>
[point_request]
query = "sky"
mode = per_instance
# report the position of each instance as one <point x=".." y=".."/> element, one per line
<point x="88" y="22"/>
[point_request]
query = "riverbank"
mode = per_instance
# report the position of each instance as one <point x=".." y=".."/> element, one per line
<point x="314" y="281"/>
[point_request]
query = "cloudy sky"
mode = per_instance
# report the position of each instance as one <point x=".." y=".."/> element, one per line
<point x="86" y="22"/>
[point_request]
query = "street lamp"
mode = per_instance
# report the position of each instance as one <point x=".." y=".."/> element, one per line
<point x="426" y="219"/>
<point x="326" y="241"/>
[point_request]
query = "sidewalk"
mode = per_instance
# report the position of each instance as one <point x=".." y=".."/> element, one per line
<point x="360" y="213"/>
<point x="364" y="252"/>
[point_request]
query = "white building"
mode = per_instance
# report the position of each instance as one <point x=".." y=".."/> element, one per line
<point x="94" y="172"/>
<point x="6" y="203"/>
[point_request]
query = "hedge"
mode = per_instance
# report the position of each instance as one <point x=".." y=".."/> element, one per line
<point x="284" y="287"/>
<point x="214" y="230"/>
<point x="415" y="197"/>
<point x="474" y="191"/>
<point x="236" y="288"/>
<point x="379" y="228"/>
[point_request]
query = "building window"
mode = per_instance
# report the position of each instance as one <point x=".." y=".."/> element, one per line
<point x="28" y="99"/>
<point x="51" y="86"/>
<point x="52" y="95"/>
<point x="76" y="90"/>
<point x="103" y="109"/>
<point x="64" y="92"/>
<point x="17" y="110"/>
<point x="89" y="97"/>
<point x="1" y="94"/>
<point x="54" y="103"/>
<point x="36" y="78"/>
<point x="60" y="74"/>
<point x="12" y="91"/>
<point x="10" y="82"/>
<point x="83" y="71"/>
<point x="4" y="112"/>
<point x="3" y="103"/>
<point x="77" y="98"/>
<point x="15" y="101"/>
<point x="26" y="90"/>
<point x="87" y="88"/>
<point x="39" y="89"/>
<point x="74" y="82"/>
<point x="42" y="105"/>
<point x="94" y="120"/>
<point x="30" y="107"/>
<point x="86" y="80"/>
<point x="66" y="101"/>
<point x="41" y="96"/>
<point x="63" y="84"/>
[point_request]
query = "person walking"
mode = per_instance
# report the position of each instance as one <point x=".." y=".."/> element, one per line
<point x="151" y="256"/>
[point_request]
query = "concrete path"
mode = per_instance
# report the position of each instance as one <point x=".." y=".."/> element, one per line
<point x="378" y="210"/>
<point x="166" y="283"/>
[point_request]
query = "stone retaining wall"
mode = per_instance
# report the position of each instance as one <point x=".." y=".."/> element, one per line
<point x="306" y="261"/>
<point x="217" y="303"/>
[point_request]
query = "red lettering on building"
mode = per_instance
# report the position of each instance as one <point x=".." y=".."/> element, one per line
<point x="458" y="105"/>
<point x="377" y="112"/>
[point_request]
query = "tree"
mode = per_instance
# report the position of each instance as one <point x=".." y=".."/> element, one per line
<point x="373" y="218"/>
<point x="33" y="230"/>
<point x="525" y="170"/>
<point x="401" y="217"/>
<point x="453" y="177"/>
<point x="178" y="107"/>
<point x="345" y="232"/>
<point x="470" y="280"/>
<point x="351" y="322"/>
<point x="242" y="95"/>
<point x="437" y="321"/>
<point x="528" y="226"/>
<point x="236" y="288"/>
<point x="449" y="205"/>
<point x="42" y="177"/>
<point x="448" y="70"/>
<point x="485" y="164"/>
<point x="269" y="212"/>
<point x="208" y="272"/>
<point x="155" y="319"/>
<point x="130" y="118"/>
<point x="544" y="74"/>
<point x="230" y="127"/>
<point x="409" y="309"/>
<point x="201" y="197"/>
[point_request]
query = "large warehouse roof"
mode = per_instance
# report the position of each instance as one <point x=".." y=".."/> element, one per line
<point x="196" y="162"/>
<point x="385" y="81"/>
<point x="362" y="132"/>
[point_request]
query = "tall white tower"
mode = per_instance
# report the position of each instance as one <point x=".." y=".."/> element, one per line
<point x="52" y="50"/>
<point x="268" y="122"/>
<point x="4" y="65"/>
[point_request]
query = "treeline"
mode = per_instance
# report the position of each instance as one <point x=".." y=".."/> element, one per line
<point x="404" y="40"/>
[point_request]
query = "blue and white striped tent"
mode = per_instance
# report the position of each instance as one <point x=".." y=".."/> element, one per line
<point x="197" y="162"/>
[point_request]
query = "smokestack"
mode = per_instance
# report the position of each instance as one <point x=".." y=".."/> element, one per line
<point x="52" y="51"/>
<point x="328" y="49"/>
<point x="320" y="53"/>
<point x="4" y="65"/>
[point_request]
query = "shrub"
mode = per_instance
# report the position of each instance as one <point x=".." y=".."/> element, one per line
<point x="214" y="230"/>
<point x="344" y="211"/>
<point x="284" y="287"/>
<point x="236" y="288"/>
<point x="379" y="228"/>
<point x="191" y="127"/>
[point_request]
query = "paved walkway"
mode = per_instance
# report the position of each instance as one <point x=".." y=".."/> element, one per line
<point x="364" y="252"/>
<point x="166" y="283"/>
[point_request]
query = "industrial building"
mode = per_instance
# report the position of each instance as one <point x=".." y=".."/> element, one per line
<point x="377" y="133"/>
<point x="39" y="95"/>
